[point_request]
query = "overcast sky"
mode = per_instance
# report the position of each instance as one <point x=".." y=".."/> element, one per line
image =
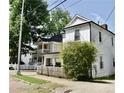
<point x="96" y="10"/>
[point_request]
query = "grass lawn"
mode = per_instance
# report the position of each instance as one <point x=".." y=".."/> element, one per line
<point x="38" y="85"/>
<point x="30" y="79"/>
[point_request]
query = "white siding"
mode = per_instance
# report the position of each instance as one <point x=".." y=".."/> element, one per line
<point x="77" y="21"/>
<point x="55" y="47"/>
<point x="84" y="33"/>
<point x="105" y="49"/>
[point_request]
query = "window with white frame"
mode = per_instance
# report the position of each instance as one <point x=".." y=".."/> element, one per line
<point x="77" y="35"/>
<point x="112" y="41"/>
<point x="101" y="62"/>
<point x="49" y="62"/>
<point x="113" y="62"/>
<point x="57" y="62"/>
<point x="100" y="37"/>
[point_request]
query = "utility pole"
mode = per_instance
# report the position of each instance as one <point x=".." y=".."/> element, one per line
<point x="20" y="38"/>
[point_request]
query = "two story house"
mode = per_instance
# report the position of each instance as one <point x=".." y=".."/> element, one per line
<point x="83" y="29"/>
<point x="48" y="50"/>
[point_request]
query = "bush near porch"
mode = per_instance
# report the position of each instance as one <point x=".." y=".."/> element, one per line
<point x="78" y="58"/>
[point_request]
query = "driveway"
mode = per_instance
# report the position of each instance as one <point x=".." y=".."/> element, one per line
<point x="106" y="86"/>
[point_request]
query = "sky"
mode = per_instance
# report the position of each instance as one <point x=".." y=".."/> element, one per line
<point x="95" y="10"/>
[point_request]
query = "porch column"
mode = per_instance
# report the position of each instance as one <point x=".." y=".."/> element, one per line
<point x="44" y="64"/>
<point x="42" y="61"/>
<point x="54" y="61"/>
<point x="42" y="47"/>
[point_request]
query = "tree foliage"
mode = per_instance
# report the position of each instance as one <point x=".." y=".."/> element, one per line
<point x="39" y="16"/>
<point x="78" y="58"/>
<point x="36" y="22"/>
<point x="58" y="19"/>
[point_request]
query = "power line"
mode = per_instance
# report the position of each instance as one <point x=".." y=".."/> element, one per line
<point x="41" y="4"/>
<point x="74" y="3"/>
<point x="54" y="3"/>
<point x="110" y="14"/>
<point x="50" y="9"/>
<point x="57" y="5"/>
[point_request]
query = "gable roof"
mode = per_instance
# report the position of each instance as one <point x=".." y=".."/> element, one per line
<point x="77" y="20"/>
<point x="83" y="20"/>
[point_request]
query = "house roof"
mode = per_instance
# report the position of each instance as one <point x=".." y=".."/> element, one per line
<point x="77" y="20"/>
<point x="83" y="20"/>
<point x="56" y="38"/>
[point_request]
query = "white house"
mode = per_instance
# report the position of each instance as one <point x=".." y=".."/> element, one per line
<point x="82" y="29"/>
<point x="48" y="51"/>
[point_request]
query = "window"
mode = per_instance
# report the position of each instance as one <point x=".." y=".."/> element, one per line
<point x="40" y="46"/>
<point x="49" y="62"/>
<point x="58" y="64"/>
<point x="101" y="63"/>
<point x="113" y="62"/>
<point x="45" y="46"/>
<point x="77" y="35"/>
<point x="100" y="37"/>
<point x="40" y="59"/>
<point x="112" y="41"/>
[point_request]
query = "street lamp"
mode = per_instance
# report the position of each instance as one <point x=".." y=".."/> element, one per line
<point x="20" y="38"/>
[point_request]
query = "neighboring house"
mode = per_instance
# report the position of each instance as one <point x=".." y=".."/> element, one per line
<point x="27" y="58"/>
<point x="29" y="62"/>
<point x="82" y="29"/>
<point x="48" y="51"/>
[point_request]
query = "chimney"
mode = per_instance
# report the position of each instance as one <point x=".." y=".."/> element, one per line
<point x="105" y="26"/>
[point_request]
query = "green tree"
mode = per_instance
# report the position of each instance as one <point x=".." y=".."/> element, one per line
<point x="36" y="22"/>
<point x="58" y="19"/>
<point x="34" y="15"/>
<point x="78" y="58"/>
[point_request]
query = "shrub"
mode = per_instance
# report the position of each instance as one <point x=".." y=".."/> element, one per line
<point x="78" y="58"/>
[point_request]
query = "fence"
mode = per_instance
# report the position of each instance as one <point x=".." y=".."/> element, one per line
<point x="28" y="67"/>
<point x="51" y="71"/>
<point x="24" y="67"/>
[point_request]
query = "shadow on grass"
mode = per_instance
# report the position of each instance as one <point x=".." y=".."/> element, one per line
<point x="98" y="81"/>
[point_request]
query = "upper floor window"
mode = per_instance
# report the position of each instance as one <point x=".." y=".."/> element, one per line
<point x="100" y="37"/>
<point x="113" y="62"/>
<point x="112" y="41"/>
<point x="77" y="35"/>
<point x="45" y="46"/>
<point x="101" y="63"/>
